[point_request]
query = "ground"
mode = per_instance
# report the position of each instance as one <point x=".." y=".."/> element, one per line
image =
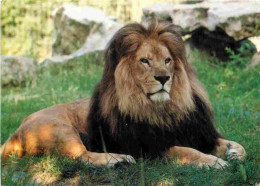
<point x="234" y="94"/>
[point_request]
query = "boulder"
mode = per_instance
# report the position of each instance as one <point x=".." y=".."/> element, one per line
<point x="255" y="59"/>
<point x="254" y="62"/>
<point x="256" y="41"/>
<point x="16" y="69"/>
<point x="80" y="30"/>
<point x="238" y="19"/>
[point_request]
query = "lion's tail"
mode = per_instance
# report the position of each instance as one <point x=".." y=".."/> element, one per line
<point x="12" y="146"/>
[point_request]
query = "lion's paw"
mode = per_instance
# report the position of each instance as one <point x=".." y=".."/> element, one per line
<point x="235" y="151"/>
<point x="128" y="158"/>
<point x="115" y="159"/>
<point x="213" y="161"/>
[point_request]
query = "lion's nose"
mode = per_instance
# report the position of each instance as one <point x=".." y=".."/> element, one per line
<point x="162" y="79"/>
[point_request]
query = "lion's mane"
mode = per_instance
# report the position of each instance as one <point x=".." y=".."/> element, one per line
<point x="123" y="120"/>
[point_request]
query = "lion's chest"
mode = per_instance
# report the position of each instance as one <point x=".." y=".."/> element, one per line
<point x="137" y="139"/>
<point x="142" y="139"/>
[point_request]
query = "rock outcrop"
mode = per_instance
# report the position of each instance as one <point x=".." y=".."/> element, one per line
<point x="239" y="19"/>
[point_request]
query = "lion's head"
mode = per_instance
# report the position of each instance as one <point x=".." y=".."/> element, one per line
<point x="146" y="75"/>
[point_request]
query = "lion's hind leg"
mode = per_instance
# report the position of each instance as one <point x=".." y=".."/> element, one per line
<point x="12" y="146"/>
<point x="56" y="137"/>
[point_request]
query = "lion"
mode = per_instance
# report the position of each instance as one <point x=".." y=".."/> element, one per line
<point x="149" y="103"/>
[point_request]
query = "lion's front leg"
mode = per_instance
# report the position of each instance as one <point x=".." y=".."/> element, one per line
<point x="229" y="149"/>
<point x="187" y="155"/>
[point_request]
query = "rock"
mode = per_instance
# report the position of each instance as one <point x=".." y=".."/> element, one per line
<point x="16" y="69"/>
<point x="238" y="19"/>
<point x="256" y="41"/>
<point x="80" y="30"/>
<point x="255" y="61"/>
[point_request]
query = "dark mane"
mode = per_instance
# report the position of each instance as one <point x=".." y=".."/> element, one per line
<point x="142" y="139"/>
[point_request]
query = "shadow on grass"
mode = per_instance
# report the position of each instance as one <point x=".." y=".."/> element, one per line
<point x="59" y="170"/>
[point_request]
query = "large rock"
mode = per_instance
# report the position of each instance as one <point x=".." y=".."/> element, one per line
<point x="16" y="69"/>
<point x="80" y="30"/>
<point x="238" y="19"/>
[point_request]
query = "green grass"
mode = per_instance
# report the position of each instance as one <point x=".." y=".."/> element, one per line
<point x="234" y="94"/>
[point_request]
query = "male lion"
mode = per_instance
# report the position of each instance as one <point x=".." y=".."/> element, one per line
<point x="149" y="103"/>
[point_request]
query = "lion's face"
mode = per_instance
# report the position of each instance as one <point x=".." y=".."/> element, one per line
<point x="152" y="69"/>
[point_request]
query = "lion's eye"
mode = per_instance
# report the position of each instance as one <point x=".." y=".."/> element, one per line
<point x="167" y="60"/>
<point x="144" y="60"/>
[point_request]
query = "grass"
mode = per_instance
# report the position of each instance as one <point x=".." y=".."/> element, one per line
<point x="234" y="94"/>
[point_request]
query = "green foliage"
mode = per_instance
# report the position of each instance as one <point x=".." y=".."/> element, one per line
<point x="242" y="56"/>
<point x="256" y="28"/>
<point x="235" y="100"/>
<point x="26" y="27"/>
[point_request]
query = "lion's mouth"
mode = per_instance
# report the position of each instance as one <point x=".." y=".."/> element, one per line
<point x="159" y="91"/>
